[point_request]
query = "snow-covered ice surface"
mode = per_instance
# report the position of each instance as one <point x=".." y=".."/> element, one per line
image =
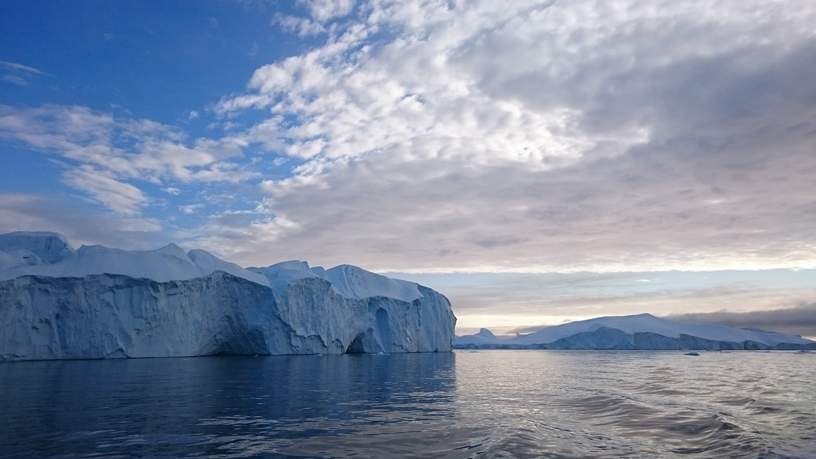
<point x="641" y="331"/>
<point x="647" y="323"/>
<point x="347" y="280"/>
<point x="99" y="302"/>
<point x="23" y="248"/>
<point x="168" y="263"/>
<point x="484" y="336"/>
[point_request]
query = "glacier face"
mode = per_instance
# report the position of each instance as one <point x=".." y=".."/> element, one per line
<point x="107" y="303"/>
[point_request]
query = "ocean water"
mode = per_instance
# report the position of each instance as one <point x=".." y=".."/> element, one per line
<point x="462" y="404"/>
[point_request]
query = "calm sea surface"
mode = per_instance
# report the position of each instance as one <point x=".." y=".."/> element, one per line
<point x="463" y="404"/>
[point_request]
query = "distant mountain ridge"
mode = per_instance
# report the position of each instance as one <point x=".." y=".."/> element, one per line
<point x="640" y="331"/>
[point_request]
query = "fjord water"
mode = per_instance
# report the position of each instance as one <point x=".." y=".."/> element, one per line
<point x="462" y="404"/>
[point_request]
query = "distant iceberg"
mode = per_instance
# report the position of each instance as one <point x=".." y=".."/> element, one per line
<point x="641" y="331"/>
<point x="100" y="302"/>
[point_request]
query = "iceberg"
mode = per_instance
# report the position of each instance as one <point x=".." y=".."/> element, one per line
<point x="347" y="280"/>
<point x="168" y="263"/>
<point x="21" y="248"/>
<point x="483" y="337"/>
<point x="641" y="331"/>
<point x="98" y="302"/>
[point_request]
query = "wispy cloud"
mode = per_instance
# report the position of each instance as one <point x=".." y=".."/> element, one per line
<point x="120" y="197"/>
<point x="226" y="232"/>
<point x="15" y="79"/>
<point x="324" y="10"/>
<point x="20" y="68"/>
<point x="302" y="27"/>
<point x="190" y="208"/>
<point x="25" y="211"/>
<point x="19" y="74"/>
<point x="110" y="154"/>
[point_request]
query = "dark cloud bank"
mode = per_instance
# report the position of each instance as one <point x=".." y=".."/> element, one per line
<point x="800" y="320"/>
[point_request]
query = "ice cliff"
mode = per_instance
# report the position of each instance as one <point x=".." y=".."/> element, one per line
<point x="97" y="302"/>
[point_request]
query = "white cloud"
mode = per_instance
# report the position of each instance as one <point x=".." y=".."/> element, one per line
<point x="302" y="27"/>
<point x="122" y="150"/>
<point x="224" y="233"/>
<point x="21" y="211"/>
<point x="523" y="136"/>
<point x="324" y="10"/>
<point x="545" y="136"/>
<point x="20" y="68"/>
<point x="15" y="79"/>
<point x="120" y="197"/>
<point x="190" y="208"/>
<point x="19" y="74"/>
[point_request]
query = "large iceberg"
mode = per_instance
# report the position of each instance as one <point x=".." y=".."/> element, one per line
<point x="98" y="302"/>
<point x="641" y="331"/>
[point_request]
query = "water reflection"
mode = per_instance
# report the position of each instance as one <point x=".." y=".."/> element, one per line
<point x="223" y="406"/>
<point x="488" y="403"/>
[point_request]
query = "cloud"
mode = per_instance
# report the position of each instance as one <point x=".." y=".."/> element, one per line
<point x="799" y="320"/>
<point x="20" y="68"/>
<point x="324" y="10"/>
<point x="15" y="79"/>
<point x="530" y="137"/>
<point x="25" y="211"/>
<point x="521" y="302"/>
<point x="302" y="27"/>
<point x="225" y="233"/>
<point x="19" y="74"/>
<point x="190" y="208"/>
<point x="541" y="136"/>
<point x="120" y="197"/>
<point x="109" y="155"/>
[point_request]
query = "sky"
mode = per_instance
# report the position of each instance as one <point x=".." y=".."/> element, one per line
<point x="535" y="161"/>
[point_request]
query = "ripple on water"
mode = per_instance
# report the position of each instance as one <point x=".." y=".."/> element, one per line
<point x="470" y="404"/>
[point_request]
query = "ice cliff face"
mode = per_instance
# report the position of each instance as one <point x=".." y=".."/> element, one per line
<point x="106" y="303"/>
